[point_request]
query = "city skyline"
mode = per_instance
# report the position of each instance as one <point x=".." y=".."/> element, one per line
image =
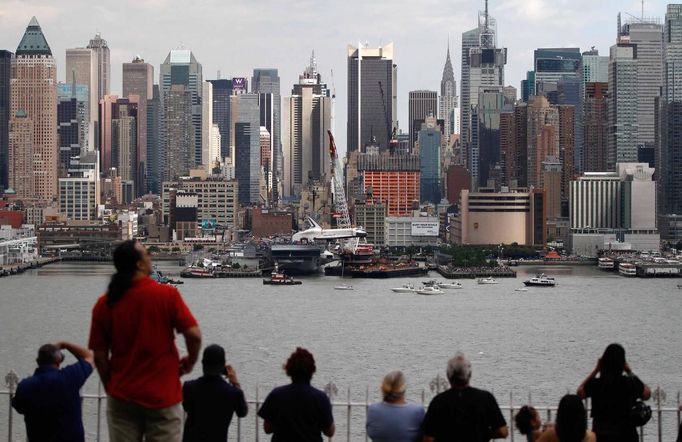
<point x="152" y="28"/>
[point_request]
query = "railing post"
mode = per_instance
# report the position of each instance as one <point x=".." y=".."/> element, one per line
<point x="659" y="413"/>
<point x="348" y="418"/>
<point x="99" y="409"/>
<point x="511" y="415"/>
<point x="11" y="380"/>
<point x="366" y="410"/>
<point x="255" y="414"/>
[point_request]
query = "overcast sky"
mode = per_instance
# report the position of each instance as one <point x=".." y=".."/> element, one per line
<point x="236" y="36"/>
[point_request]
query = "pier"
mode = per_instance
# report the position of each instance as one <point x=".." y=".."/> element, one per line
<point x="475" y="272"/>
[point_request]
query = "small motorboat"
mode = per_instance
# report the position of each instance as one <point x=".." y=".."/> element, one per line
<point x="429" y="291"/>
<point x="449" y="285"/>
<point x="521" y="289"/>
<point x="343" y="287"/>
<point x="406" y="288"/>
<point x="488" y="280"/>
<point x="540" y="280"/>
<point x="429" y="283"/>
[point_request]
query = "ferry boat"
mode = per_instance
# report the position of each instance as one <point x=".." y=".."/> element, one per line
<point x="606" y="264"/>
<point x="627" y="269"/>
<point x="279" y="278"/>
<point x="429" y="291"/>
<point x="488" y="280"/>
<point x="406" y="288"/>
<point x="540" y="280"/>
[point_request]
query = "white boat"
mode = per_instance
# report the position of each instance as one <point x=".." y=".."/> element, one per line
<point x="430" y="283"/>
<point x="429" y="291"/>
<point x="343" y="287"/>
<point x="521" y="289"/>
<point x="406" y="288"/>
<point x="627" y="269"/>
<point x="449" y="285"/>
<point x="606" y="264"/>
<point x="540" y="280"/>
<point x="488" y="280"/>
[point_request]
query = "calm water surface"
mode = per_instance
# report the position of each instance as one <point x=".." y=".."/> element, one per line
<point x="544" y="341"/>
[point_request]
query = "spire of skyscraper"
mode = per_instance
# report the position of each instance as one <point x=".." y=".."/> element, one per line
<point x="33" y="42"/>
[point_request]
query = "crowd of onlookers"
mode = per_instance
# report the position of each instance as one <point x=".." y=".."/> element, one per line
<point x="132" y="346"/>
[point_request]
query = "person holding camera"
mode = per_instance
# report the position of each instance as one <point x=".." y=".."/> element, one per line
<point x="50" y="399"/>
<point x="210" y="401"/>
<point x="613" y="395"/>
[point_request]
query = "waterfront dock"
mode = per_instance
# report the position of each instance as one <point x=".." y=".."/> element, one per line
<point x="475" y="272"/>
<point x="14" y="269"/>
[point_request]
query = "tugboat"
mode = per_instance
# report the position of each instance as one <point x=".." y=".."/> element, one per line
<point x="279" y="278"/>
<point x="541" y="280"/>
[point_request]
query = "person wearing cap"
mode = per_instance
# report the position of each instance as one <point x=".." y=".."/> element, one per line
<point x="210" y="401"/>
<point x="394" y="419"/>
<point x="463" y="412"/>
<point x="50" y="399"/>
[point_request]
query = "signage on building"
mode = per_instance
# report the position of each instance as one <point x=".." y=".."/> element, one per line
<point x="424" y="228"/>
<point x="239" y="83"/>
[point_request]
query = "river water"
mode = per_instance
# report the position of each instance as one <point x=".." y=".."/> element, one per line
<point x="541" y="342"/>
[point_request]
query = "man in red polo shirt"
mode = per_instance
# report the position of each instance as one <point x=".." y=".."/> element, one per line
<point x="133" y="339"/>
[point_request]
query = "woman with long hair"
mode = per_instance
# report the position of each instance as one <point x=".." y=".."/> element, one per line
<point x="571" y="423"/>
<point x="613" y="394"/>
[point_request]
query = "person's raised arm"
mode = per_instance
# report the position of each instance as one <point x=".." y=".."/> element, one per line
<point x="78" y="351"/>
<point x="193" y="343"/>
<point x="581" y="389"/>
<point x="500" y="433"/>
<point x="330" y="430"/>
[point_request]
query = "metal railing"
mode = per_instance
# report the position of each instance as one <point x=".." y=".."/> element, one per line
<point x="350" y="416"/>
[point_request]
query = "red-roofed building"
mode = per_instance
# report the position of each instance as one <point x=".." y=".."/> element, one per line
<point x="12" y="218"/>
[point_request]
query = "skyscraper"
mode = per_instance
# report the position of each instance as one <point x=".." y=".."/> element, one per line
<point x="595" y="127"/>
<point x="119" y="148"/>
<point x="178" y="151"/>
<point x="482" y="65"/>
<point x="623" y="124"/>
<point x="429" y="138"/>
<point x="245" y="132"/>
<point x="210" y="137"/>
<point x="181" y="68"/>
<point x="669" y="130"/>
<point x="646" y="35"/>
<point x="372" y="101"/>
<point x="154" y="147"/>
<point x="307" y="118"/>
<point x="420" y="105"/>
<point x="222" y="90"/>
<point x="264" y="82"/>
<point x="71" y="113"/>
<point x="5" y="70"/>
<point x="595" y="67"/>
<point x="81" y="68"/>
<point x="448" y="98"/>
<point x="102" y="60"/>
<point x="33" y="104"/>
<point x="138" y="79"/>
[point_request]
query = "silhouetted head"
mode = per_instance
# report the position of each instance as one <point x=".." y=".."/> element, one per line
<point x="393" y="386"/>
<point x="459" y="370"/>
<point x="613" y="360"/>
<point x="49" y="354"/>
<point x="571" y="419"/>
<point x="213" y="360"/>
<point x="527" y="419"/>
<point x="300" y="366"/>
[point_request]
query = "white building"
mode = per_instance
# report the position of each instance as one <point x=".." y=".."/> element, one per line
<point x="79" y="193"/>
<point x="128" y="221"/>
<point x="411" y="231"/>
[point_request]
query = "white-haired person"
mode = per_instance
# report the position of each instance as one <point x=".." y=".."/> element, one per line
<point x="463" y="412"/>
<point x="394" y="419"/>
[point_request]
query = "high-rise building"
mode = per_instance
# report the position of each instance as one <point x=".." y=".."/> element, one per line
<point x="82" y="69"/>
<point x="390" y="179"/>
<point x="222" y="90"/>
<point x="79" y="190"/>
<point x="482" y="65"/>
<point x="181" y="68"/>
<point x="669" y="130"/>
<point x="245" y="144"/>
<point x="622" y="108"/>
<point x="20" y="157"/>
<point x="5" y="70"/>
<point x="595" y="67"/>
<point x="178" y="147"/>
<point x="372" y="100"/>
<point x="119" y="148"/>
<point x="305" y="144"/>
<point x="448" y="98"/>
<point x="528" y="86"/>
<point x="421" y="104"/>
<point x="429" y="139"/>
<point x="646" y="34"/>
<point x="265" y="82"/>
<point x="71" y="115"/>
<point x="102" y="59"/>
<point x="206" y="125"/>
<point x="138" y="79"/>
<point x="154" y="147"/>
<point x="595" y="127"/>
<point x="33" y="90"/>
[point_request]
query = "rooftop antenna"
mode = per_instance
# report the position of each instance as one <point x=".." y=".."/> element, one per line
<point x="218" y="74"/>
<point x="642" y="10"/>
<point x="486" y="38"/>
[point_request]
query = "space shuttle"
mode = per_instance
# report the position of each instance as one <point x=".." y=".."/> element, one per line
<point x="317" y="233"/>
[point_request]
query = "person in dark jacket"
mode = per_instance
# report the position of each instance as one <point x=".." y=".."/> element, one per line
<point x="210" y="401"/>
<point x="613" y="394"/>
